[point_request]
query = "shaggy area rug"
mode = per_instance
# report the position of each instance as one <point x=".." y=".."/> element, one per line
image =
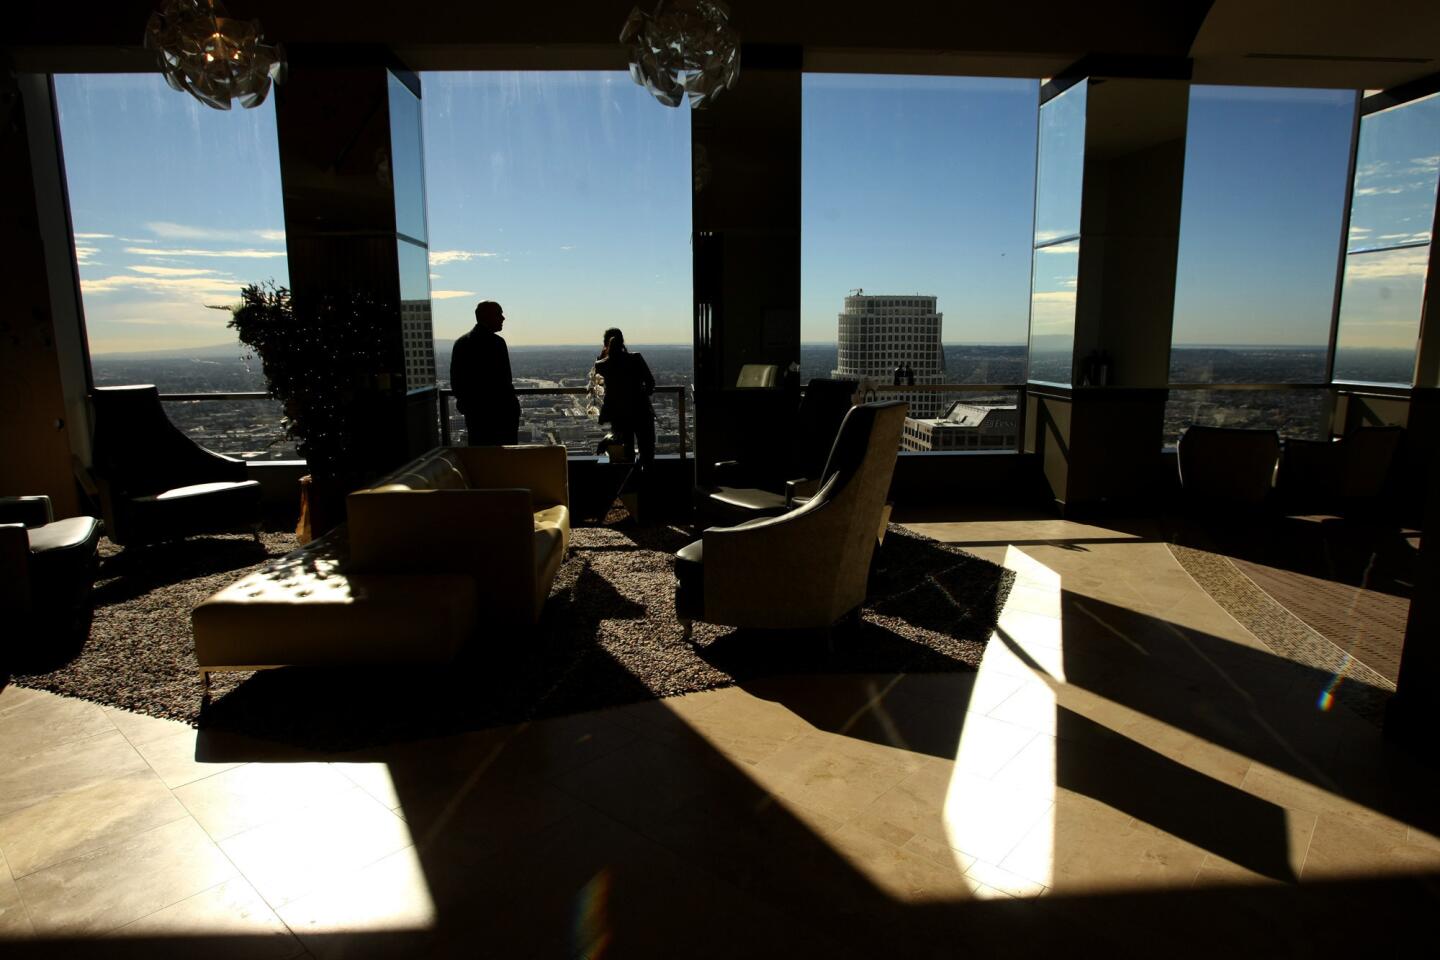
<point x="608" y="636"/>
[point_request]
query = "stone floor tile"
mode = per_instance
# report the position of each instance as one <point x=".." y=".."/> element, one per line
<point x="42" y="723"/>
<point x="61" y="769"/>
<point x="140" y="728"/>
<point x="835" y="775"/>
<point x="14" y="920"/>
<point x="80" y="821"/>
<point x="297" y="854"/>
<point x="225" y="921"/>
<point x="109" y="888"/>
<point x="173" y="758"/>
<point x="390" y="895"/>
<point x="247" y="796"/>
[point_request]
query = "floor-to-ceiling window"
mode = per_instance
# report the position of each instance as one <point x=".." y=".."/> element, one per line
<point x="566" y="198"/>
<point x="1059" y="177"/>
<point x="915" y="232"/>
<point x="176" y="207"/>
<point x="1265" y="182"/>
<point x="1397" y="164"/>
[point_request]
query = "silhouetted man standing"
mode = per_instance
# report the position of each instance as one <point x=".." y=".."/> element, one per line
<point x="480" y="377"/>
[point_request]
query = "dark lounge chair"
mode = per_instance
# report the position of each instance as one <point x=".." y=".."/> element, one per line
<point x="156" y="483"/>
<point x="809" y="567"/>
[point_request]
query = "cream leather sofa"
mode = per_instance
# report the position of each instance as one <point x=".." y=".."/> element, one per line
<point x="438" y="554"/>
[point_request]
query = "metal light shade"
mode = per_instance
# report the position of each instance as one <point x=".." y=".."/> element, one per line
<point x="686" y="47"/>
<point x="212" y="57"/>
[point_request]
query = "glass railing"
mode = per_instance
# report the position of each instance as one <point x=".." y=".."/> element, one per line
<point x="1298" y="411"/>
<point x="245" y="425"/>
<point x="957" y="417"/>
<point x="557" y="415"/>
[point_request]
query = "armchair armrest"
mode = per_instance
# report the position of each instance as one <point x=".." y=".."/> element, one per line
<point x="14" y="568"/>
<point x="31" y="511"/>
<point x="800" y="491"/>
<point x="750" y="569"/>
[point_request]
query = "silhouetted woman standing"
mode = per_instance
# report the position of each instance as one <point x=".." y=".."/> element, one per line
<point x="628" y="386"/>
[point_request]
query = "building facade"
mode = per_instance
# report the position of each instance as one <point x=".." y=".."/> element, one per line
<point x="879" y="332"/>
<point x="965" y="426"/>
<point x="418" y="335"/>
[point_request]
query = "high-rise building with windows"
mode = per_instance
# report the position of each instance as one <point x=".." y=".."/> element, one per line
<point x="419" y="339"/>
<point x="879" y="332"/>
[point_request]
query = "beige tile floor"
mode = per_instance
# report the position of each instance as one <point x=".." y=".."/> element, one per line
<point x="1129" y="771"/>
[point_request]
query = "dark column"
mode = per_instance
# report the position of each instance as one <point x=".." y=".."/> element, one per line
<point x="746" y="221"/>
<point x="1100" y="434"/>
<point x="353" y="178"/>
<point x="42" y="352"/>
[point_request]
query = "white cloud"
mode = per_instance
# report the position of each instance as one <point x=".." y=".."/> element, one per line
<point x="94" y="236"/>
<point x="434" y="276"/>
<point x="199" y="287"/>
<point x="155" y="271"/>
<point x="83" y="253"/>
<point x="567" y="246"/>
<point x="1071" y="246"/>
<point x="168" y="230"/>
<point x="450" y="294"/>
<point x="192" y="252"/>
<point x="1396" y="265"/>
<point x="441" y="257"/>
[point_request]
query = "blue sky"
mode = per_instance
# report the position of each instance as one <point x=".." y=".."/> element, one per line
<point x="567" y="198"/>
<point x="175" y="205"/>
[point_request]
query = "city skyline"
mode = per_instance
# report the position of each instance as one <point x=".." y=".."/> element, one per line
<point x="566" y="197"/>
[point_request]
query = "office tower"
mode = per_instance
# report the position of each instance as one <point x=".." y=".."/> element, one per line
<point x="879" y="332"/>
<point x="419" y="340"/>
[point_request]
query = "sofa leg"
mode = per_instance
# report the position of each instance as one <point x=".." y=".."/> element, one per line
<point x="688" y="628"/>
<point x="204" y="686"/>
<point x="255" y="532"/>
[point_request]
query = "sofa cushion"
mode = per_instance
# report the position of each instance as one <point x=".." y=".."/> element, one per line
<point x="303" y="608"/>
<point x="555" y="518"/>
<point x="438" y="470"/>
<point x="549" y="554"/>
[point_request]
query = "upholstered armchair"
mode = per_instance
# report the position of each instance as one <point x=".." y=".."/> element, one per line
<point x="156" y="483"/>
<point x="47" y="567"/>
<point x="1226" y="467"/>
<point x="808" y="567"/>
<point x="747" y="491"/>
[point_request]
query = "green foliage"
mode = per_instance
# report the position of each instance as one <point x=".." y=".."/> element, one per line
<point x="327" y="359"/>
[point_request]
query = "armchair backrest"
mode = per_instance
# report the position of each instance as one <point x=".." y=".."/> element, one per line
<point x="822" y="410"/>
<point x="758" y="375"/>
<point x="138" y="451"/>
<point x="1227" y="464"/>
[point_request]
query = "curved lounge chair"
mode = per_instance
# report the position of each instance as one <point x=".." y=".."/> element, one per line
<point x="806" y="568"/>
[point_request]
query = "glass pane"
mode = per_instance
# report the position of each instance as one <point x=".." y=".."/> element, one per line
<point x="1380" y="315"/>
<point x="964" y="421"/>
<point x="1261" y="218"/>
<point x="417" y="330"/>
<point x="248" y="429"/>
<point x="1052" y="312"/>
<point x="566" y="198"/>
<point x="1061" y="166"/>
<point x="1395" y="175"/>
<point x="1300" y="414"/>
<point x="407" y="162"/>
<point x="917" y="195"/>
<point x="176" y="207"/>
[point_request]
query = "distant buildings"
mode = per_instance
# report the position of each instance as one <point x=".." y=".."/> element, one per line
<point x="879" y="332"/>
<point x="965" y="426"/>
<point x="419" y="340"/>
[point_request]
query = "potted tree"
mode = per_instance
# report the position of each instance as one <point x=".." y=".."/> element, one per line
<point x="327" y="359"/>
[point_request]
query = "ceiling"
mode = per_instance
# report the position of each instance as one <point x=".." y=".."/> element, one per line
<point x="1379" y="44"/>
